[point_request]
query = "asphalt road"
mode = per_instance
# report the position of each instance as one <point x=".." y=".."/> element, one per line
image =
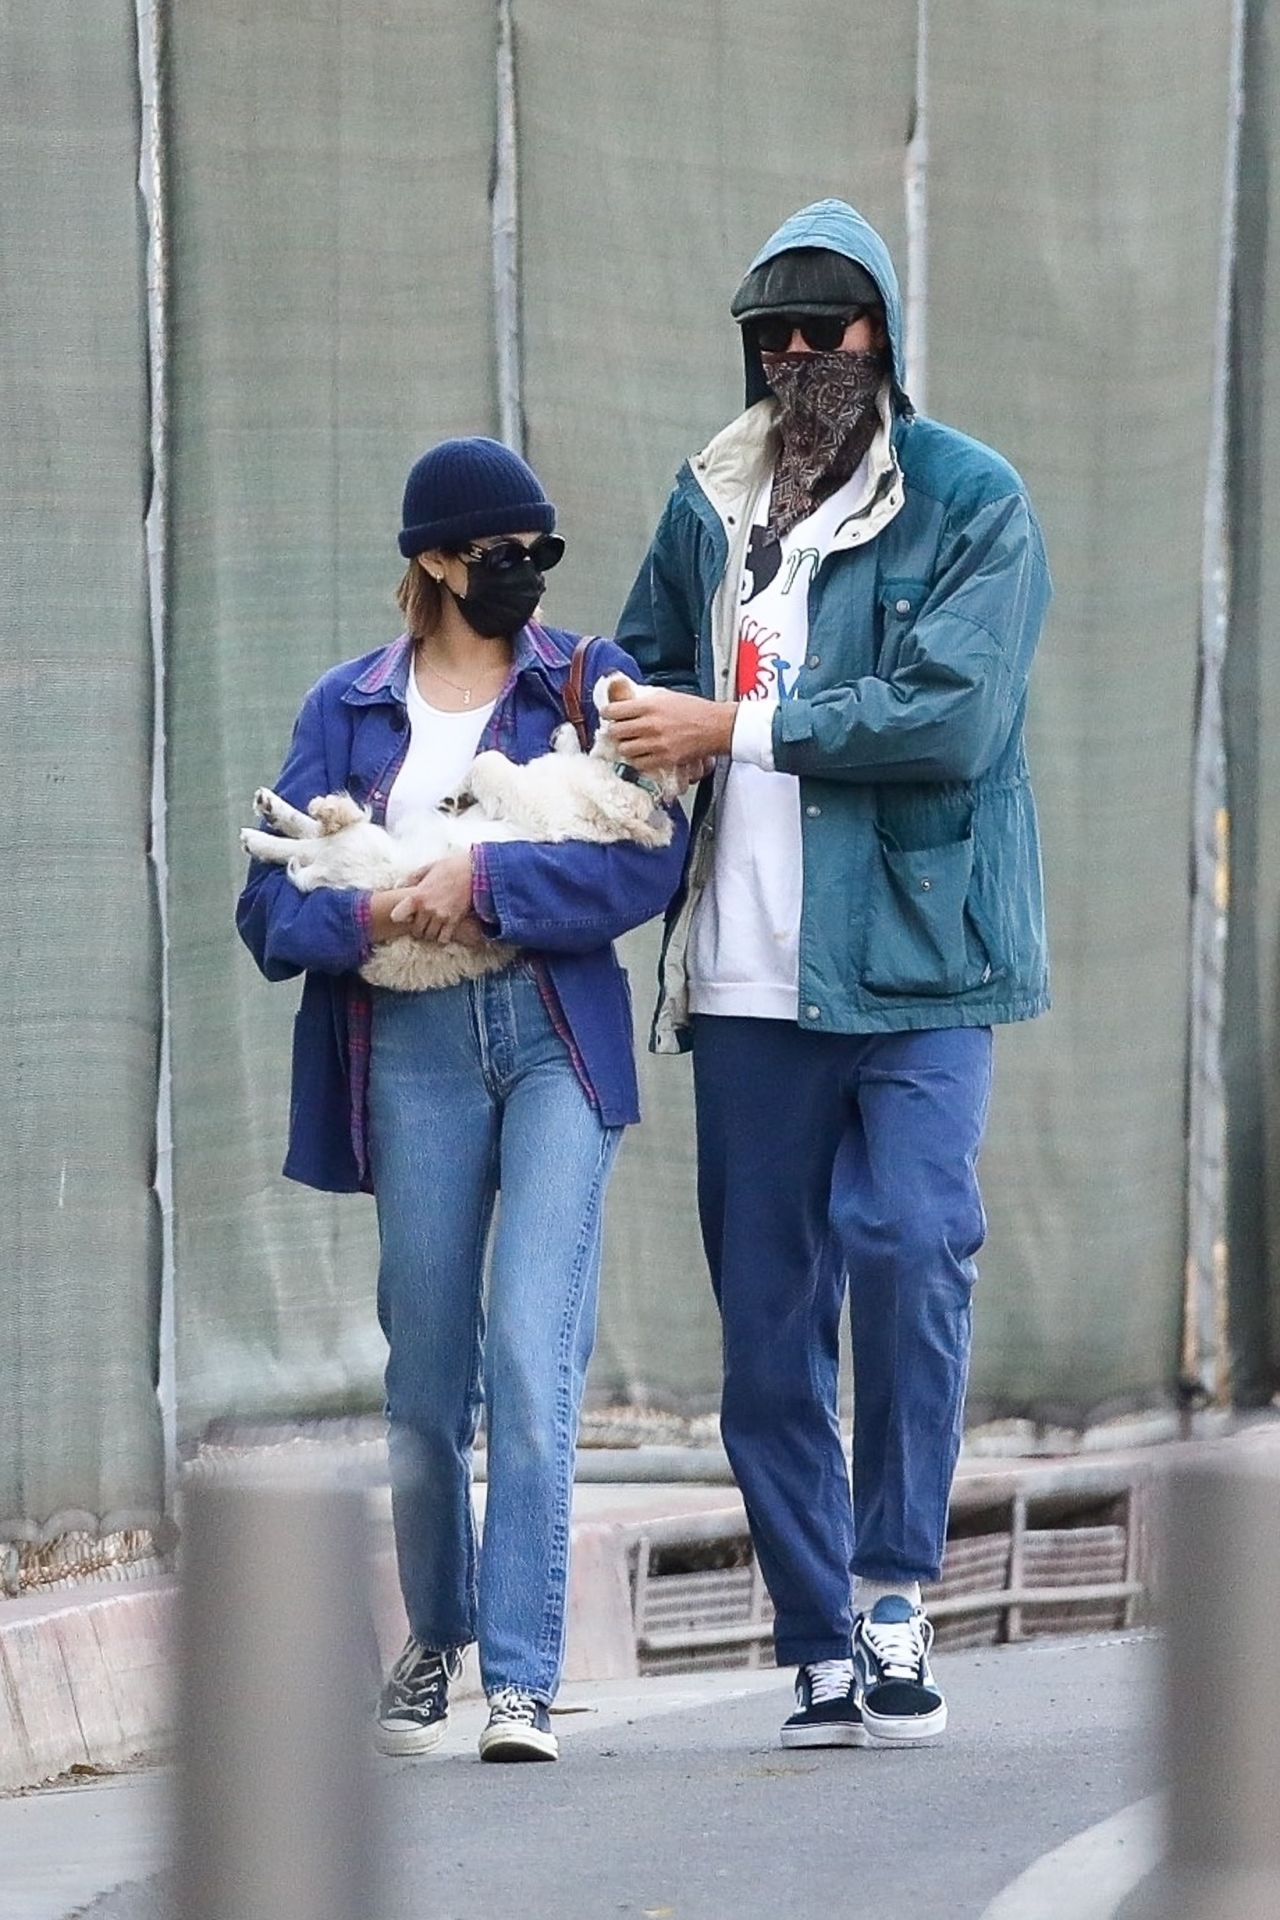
<point x="698" y="1814"/>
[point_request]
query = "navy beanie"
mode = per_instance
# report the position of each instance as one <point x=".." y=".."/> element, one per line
<point x="463" y="490"/>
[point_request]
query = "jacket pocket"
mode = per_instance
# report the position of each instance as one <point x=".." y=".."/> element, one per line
<point x="900" y="602"/>
<point x="922" y="935"/>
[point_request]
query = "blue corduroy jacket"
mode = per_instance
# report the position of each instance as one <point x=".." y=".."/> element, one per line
<point x="565" y="903"/>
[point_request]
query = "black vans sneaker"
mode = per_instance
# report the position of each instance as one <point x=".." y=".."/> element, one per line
<point x="519" y="1728"/>
<point x="413" y="1710"/>
<point x="826" y="1712"/>
<point x="900" y="1699"/>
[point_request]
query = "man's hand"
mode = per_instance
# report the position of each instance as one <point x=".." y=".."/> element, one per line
<point x="658" y="729"/>
<point x="437" y="902"/>
<point x="689" y="774"/>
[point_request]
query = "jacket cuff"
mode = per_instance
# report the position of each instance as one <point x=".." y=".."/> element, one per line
<point x="362" y="913"/>
<point x="482" y="891"/>
<point x="752" y="742"/>
<point x="792" y="733"/>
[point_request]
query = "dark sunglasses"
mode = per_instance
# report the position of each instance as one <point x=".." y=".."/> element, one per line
<point x="547" y="551"/>
<point x="821" y="331"/>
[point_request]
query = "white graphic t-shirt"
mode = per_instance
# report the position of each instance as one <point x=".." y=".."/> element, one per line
<point x="744" y="942"/>
<point x="441" y="748"/>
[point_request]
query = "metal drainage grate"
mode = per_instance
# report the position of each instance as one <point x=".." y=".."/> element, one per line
<point x="700" y="1601"/>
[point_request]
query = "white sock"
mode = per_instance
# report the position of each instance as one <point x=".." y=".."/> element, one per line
<point x="869" y="1591"/>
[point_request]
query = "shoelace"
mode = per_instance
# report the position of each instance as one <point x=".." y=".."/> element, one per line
<point x="417" y="1675"/>
<point x="829" y="1680"/>
<point x="899" y="1646"/>
<point x="510" y="1704"/>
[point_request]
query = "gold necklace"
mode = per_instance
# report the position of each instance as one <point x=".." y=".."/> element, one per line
<point x="466" y="692"/>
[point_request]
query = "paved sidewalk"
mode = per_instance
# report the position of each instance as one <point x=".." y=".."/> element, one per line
<point x="85" y="1676"/>
<point x="674" y="1801"/>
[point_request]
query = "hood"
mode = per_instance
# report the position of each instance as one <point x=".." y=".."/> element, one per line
<point x="835" y="225"/>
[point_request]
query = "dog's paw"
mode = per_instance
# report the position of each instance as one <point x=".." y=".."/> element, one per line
<point x="267" y="847"/>
<point x="461" y="799"/>
<point x="275" y="811"/>
<point x="565" y="739"/>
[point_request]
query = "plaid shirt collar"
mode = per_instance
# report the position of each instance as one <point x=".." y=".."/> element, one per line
<point x="387" y="678"/>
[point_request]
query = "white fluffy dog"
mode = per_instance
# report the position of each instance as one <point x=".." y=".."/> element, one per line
<point x="562" y="795"/>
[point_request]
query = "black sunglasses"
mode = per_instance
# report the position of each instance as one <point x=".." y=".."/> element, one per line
<point x="821" y="331"/>
<point x="547" y="551"/>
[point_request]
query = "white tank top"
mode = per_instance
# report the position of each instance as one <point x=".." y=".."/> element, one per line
<point x="441" y="748"/>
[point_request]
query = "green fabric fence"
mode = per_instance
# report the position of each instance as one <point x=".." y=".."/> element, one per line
<point x="80" y="1444"/>
<point x="328" y="224"/>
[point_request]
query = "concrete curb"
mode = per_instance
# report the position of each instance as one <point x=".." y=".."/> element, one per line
<point x="85" y="1675"/>
<point x="84" y="1682"/>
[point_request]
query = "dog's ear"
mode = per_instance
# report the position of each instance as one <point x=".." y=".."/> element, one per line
<point x="334" y="811"/>
<point x="613" y="686"/>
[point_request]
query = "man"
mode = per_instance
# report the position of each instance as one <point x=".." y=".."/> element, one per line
<point x="840" y="607"/>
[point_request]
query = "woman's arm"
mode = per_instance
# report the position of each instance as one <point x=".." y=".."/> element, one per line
<point x="331" y="930"/>
<point x="573" y="896"/>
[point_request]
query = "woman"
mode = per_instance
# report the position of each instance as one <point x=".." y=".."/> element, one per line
<point x="520" y="1081"/>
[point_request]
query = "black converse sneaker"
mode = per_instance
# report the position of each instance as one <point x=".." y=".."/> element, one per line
<point x="826" y="1712"/>
<point x="413" y="1710"/>
<point x="519" y="1728"/>
<point x="900" y="1700"/>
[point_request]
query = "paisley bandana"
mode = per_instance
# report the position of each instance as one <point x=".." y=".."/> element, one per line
<point x="828" y="417"/>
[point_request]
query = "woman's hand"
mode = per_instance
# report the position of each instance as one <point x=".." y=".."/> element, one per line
<point x="381" y="926"/>
<point x="658" y="729"/>
<point x="437" y="902"/>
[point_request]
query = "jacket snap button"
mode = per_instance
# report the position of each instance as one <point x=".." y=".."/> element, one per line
<point x="813" y="1013"/>
<point x="925" y="885"/>
<point x="902" y="606"/>
<point x="815" y="659"/>
<point x="814" y="813"/>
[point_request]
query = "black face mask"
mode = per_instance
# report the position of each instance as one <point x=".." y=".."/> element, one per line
<point x="499" y="604"/>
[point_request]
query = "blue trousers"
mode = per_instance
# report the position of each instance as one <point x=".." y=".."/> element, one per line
<point x="830" y="1163"/>
<point x="472" y="1090"/>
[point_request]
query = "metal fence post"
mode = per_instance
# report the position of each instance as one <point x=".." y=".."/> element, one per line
<point x="1222" y="1695"/>
<point x="275" y="1810"/>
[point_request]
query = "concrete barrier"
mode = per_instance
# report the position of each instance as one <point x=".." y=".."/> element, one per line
<point x="1222" y="1693"/>
<point x="276" y="1813"/>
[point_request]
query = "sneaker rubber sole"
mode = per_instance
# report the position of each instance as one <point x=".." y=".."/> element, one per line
<point x="510" y="1744"/>
<point x="905" y="1729"/>
<point x="838" y="1734"/>
<point x="398" y="1741"/>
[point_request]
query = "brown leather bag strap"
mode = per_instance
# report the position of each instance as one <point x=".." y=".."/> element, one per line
<point x="574" y="709"/>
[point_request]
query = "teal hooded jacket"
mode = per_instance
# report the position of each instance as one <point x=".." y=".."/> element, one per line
<point x="922" y="899"/>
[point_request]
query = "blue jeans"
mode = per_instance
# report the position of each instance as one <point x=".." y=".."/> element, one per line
<point x="472" y="1090"/>
<point x="827" y="1160"/>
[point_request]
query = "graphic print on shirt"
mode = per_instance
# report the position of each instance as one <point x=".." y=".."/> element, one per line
<point x="764" y="557"/>
<point x="760" y="663"/>
<point x="762" y="667"/>
<point x="744" y="938"/>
